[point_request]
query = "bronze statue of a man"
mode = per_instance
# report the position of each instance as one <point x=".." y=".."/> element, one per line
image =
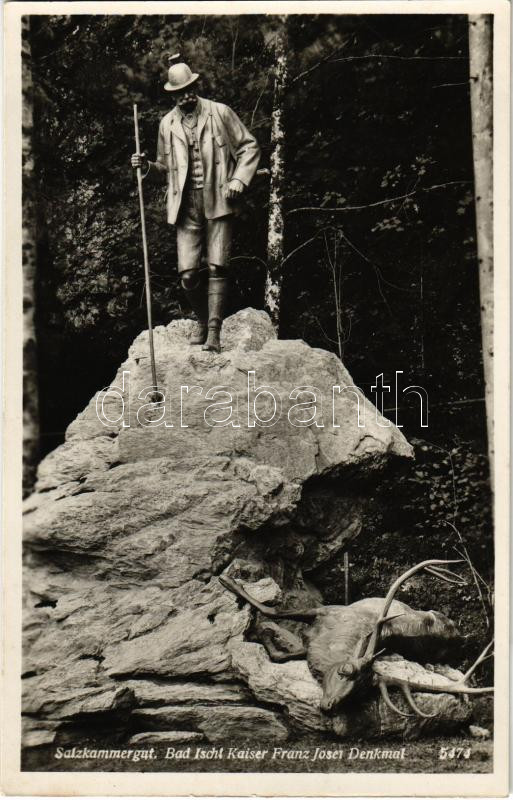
<point x="208" y="158"/>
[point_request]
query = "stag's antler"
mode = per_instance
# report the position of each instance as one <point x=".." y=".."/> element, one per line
<point x="453" y="687"/>
<point x="433" y="567"/>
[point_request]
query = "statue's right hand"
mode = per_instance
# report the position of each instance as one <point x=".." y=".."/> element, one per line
<point x="139" y="160"/>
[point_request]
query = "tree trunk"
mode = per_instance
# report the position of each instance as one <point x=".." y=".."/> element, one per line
<point x="30" y="385"/>
<point x="274" y="275"/>
<point x="481" y="98"/>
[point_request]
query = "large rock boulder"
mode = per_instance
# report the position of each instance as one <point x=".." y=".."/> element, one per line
<point x="143" y="506"/>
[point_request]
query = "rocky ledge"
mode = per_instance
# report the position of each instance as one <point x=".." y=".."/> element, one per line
<point x="128" y="631"/>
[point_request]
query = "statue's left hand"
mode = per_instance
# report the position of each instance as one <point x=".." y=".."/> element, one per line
<point x="233" y="189"/>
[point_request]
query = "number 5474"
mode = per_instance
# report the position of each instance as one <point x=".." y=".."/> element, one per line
<point x="454" y="752"/>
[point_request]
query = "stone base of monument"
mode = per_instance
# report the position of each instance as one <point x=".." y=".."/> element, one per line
<point x="128" y="632"/>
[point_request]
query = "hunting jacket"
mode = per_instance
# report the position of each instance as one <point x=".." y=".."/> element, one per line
<point x="228" y="151"/>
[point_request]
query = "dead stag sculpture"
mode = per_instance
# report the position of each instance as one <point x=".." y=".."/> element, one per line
<point x="343" y="642"/>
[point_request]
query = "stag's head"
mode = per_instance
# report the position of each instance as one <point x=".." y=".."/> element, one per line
<point x="354" y="675"/>
<point x="350" y="677"/>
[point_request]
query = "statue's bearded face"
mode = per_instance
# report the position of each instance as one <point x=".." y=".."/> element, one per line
<point x="186" y="99"/>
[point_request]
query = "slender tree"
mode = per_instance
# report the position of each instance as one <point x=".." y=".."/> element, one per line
<point x="274" y="275"/>
<point x="30" y="385"/>
<point x="481" y="96"/>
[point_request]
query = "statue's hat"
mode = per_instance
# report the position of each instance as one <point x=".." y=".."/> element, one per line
<point x="179" y="76"/>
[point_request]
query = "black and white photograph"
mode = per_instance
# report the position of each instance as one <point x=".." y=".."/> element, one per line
<point x="257" y="305"/>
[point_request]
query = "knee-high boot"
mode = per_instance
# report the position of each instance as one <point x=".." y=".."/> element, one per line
<point x="197" y="297"/>
<point x="217" y="294"/>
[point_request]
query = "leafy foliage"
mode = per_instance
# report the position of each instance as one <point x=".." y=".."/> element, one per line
<point x="437" y="512"/>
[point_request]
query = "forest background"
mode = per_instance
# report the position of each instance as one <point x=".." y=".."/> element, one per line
<point x="379" y="239"/>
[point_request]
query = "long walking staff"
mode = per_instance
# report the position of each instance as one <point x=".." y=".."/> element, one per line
<point x="145" y="253"/>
